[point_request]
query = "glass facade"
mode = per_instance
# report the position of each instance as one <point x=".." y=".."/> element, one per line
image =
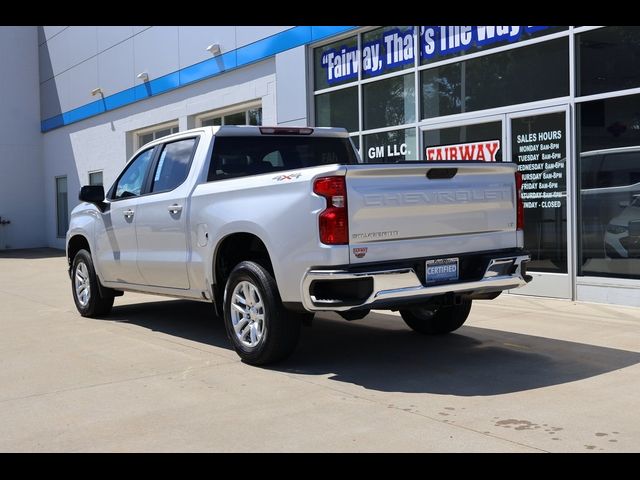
<point x="505" y="94"/>
<point x="609" y="184"/>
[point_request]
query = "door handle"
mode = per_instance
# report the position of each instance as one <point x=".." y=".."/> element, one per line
<point x="128" y="213"/>
<point x="175" y="208"/>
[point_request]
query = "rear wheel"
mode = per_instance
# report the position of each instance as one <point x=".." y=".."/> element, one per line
<point x="84" y="285"/>
<point x="437" y="319"/>
<point x="261" y="329"/>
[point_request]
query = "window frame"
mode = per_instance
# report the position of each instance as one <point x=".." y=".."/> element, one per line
<point x="153" y="129"/>
<point x="222" y="112"/>
<point x="91" y="172"/>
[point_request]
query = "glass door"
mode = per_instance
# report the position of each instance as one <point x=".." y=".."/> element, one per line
<point x="538" y="142"/>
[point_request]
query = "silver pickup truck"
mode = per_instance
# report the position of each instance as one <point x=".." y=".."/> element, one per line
<point x="273" y="224"/>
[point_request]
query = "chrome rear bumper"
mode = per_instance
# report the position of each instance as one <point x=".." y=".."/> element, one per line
<point x="403" y="285"/>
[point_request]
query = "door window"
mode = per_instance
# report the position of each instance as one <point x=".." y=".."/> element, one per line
<point x="173" y="165"/>
<point x="131" y="181"/>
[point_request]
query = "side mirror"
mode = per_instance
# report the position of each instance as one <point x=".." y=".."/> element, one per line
<point x="92" y="194"/>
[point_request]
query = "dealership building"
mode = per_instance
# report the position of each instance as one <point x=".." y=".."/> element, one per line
<point x="563" y="103"/>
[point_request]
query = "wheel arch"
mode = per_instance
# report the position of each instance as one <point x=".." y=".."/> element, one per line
<point x="232" y="249"/>
<point x="76" y="243"/>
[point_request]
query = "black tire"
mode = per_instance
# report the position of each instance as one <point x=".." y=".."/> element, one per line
<point x="97" y="304"/>
<point x="437" y="320"/>
<point x="280" y="328"/>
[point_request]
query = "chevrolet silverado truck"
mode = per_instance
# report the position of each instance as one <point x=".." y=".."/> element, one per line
<point x="274" y="224"/>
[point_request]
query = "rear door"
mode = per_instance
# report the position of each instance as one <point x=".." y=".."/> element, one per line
<point x="407" y="211"/>
<point x="161" y="228"/>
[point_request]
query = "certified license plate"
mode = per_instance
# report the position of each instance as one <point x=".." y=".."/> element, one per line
<point x="442" y="270"/>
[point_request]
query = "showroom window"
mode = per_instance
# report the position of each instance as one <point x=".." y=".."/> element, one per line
<point x="607" y="59"/>
<point x="245" y="116"/>
<point x="381" y="85"/>
<point x="442" y="42"/>
<point x="149" y="135"/>
<point x="62" y="207"/>
<point x="496" y="80"/>
<point x="609" y="187"/>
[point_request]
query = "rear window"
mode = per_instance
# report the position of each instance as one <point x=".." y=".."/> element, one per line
<point x="242" y="156"/>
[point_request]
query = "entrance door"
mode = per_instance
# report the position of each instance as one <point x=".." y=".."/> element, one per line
<point x="537" y="140"/>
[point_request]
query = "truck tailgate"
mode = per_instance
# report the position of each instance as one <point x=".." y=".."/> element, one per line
<point x="429" y="209"/>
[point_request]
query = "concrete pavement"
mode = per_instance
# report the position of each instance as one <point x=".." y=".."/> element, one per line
<point x="523" y="375"/>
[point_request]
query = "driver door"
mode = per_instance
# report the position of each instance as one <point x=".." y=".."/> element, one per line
<point x="115" y="235"/>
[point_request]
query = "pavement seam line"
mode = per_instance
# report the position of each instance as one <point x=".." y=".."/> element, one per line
<point x="93" y="385"/>
<point x="358" y="397"/>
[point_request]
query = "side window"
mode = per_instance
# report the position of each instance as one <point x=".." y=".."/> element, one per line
<point x="131" y="182"/>
<point x="173" y="165"/>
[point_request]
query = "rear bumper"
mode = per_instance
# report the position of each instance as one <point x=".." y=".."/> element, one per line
<point x="386" y="288"/>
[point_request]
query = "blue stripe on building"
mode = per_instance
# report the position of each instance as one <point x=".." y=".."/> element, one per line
<point x="245" y="55"/>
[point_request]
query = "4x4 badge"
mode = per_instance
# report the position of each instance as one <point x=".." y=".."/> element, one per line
<point x="289" y="176"/>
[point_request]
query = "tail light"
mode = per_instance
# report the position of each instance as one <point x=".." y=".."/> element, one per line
<point x="519" y="203"/>
<point x="333" y="221"/>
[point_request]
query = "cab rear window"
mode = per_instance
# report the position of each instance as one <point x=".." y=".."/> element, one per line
<point x="242" y="156"/>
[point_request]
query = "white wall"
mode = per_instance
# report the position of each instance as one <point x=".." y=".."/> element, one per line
<point x="21" y="181"/>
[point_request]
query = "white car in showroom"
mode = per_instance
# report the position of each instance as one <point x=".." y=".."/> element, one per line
<point x="622" y="236"/>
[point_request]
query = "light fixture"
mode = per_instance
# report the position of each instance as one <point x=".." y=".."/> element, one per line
<point x="96" y="91"/>
<point x="214" y="49"/>
<point x="144" y="76"/>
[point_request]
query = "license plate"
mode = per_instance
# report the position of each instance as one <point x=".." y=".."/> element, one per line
<point x="442" y="270"/>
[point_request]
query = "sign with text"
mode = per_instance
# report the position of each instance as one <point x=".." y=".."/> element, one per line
<point x="539" y="148"/>
<point x="395" y="47"/>
<point x="440" y="41"/>
<point x="483" y="151"/>
<point x="389" y="147"/>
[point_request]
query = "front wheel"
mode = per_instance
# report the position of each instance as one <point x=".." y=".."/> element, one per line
<point x="437" y="320"/>
<point x="261" y="329"/>
<point x="84" y="285"/>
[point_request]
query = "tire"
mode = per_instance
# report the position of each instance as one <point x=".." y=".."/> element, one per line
<point x="437" y="320"/>
<point x="84" y="279"/>
<point x="261" y="330"/>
